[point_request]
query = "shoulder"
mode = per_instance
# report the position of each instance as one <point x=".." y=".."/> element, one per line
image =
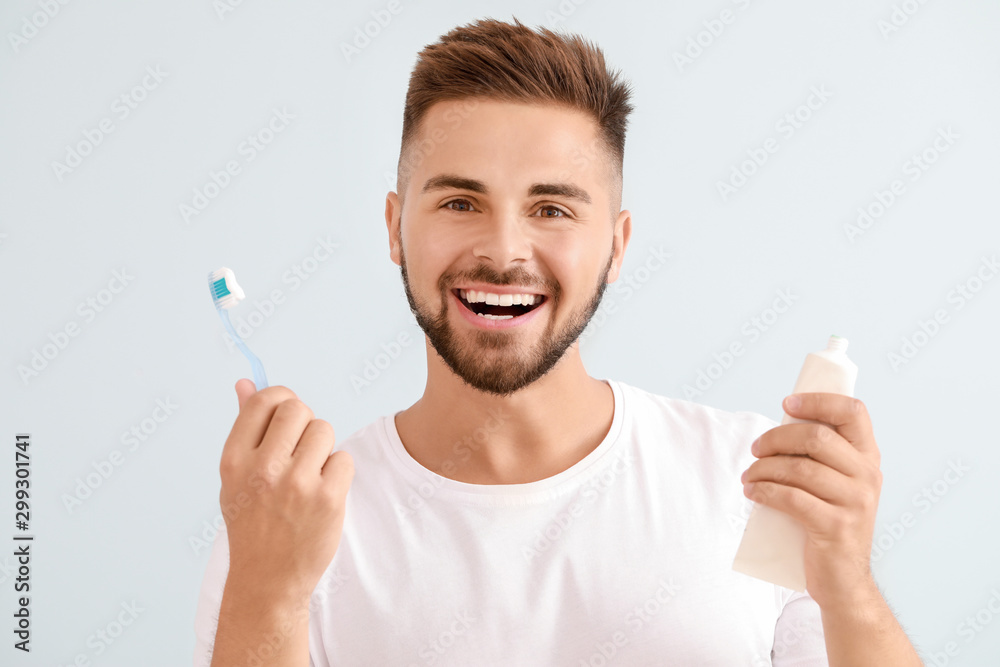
<point x="365" y="442"/>
<point x="699" y="431"/>
<point x="690" y="417"/>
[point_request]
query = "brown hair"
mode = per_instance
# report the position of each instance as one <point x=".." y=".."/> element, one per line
<point x="490" y="59"/>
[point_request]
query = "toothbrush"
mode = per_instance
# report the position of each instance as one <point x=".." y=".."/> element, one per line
<point x="225" y="295"/>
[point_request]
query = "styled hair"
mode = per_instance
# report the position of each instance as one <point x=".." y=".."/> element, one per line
<point x="490" y="59"/>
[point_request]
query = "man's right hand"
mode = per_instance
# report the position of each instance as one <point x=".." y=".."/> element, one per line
<point x="284" y="491"/>
<point x="283" y="498"/>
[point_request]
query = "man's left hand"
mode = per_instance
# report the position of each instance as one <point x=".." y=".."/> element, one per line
<point x="826" y="475"/>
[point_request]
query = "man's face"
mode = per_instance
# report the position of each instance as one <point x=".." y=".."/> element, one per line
<point x="497" y="201"/>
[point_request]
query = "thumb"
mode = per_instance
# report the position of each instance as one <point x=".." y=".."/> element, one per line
<point x="339" y="472"/>
<point x="245" y="388"/>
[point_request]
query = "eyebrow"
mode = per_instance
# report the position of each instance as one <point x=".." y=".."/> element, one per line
<point x="445" y="181"/>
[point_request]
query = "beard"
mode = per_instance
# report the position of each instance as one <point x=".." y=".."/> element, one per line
<point x="496" y="362"/>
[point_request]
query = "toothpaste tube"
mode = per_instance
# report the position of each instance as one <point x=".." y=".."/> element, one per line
<point x="773" y="545"/>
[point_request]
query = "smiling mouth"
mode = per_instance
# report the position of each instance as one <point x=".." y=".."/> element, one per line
<point x="492" y="311"/>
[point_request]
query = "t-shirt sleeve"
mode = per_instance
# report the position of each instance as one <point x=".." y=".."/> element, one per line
<point x="798" y="634"/>
<point x="206" y="617"/>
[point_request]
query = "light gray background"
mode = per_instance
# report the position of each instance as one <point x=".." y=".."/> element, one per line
<point x="326" y="176"/>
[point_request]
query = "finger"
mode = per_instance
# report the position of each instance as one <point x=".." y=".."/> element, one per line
<point x="244" y="389"/>
<point x="288" y="422"/>
<point x="813" y="513"/>
<point x="817" y="441"/>
<point x="848" y="415"/>
<point x="314" y="447"/>
<point x="803" y="473"/>
<point x="251" y="423"/>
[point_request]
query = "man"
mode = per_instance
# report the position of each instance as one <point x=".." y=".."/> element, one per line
<point x="522" y="512"/>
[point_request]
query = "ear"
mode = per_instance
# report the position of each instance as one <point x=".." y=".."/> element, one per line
<point x="622" y="234"/>
<point x="393" y="211"/>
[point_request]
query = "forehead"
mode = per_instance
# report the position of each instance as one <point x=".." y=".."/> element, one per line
<point x="511" y="138"/>
<point x="478" y="110"/>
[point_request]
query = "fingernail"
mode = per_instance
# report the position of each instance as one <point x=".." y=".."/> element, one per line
<point x="793" y="402"/>
<point x="743" y="477"/>
<point x="755" y="447"/>
<point x="748" y="488"/>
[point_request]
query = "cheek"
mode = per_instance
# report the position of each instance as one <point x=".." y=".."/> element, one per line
<point x="575" y="266"/>
<point x="430" y="255"/>
<point x="429" y="236"/>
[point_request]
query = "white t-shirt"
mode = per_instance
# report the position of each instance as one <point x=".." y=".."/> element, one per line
<point x="625" y="558"/>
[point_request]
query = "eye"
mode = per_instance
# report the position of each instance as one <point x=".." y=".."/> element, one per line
<point x="551" y="211"/>
<point x="561" y="213"/>
<point x="464" y="202"/>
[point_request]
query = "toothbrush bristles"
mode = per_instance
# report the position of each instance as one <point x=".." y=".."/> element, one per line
<point x="224" y="289"/>
<point x="219" y="288"/>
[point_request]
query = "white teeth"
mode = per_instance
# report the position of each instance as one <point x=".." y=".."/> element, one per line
<point x="495" y="317"/>
<point x="473" y="296"/>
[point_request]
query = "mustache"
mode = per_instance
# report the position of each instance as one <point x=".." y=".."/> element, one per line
<point x="484" y="274"/>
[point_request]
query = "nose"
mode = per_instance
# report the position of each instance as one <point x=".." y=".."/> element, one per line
<point x="504" y="238"/>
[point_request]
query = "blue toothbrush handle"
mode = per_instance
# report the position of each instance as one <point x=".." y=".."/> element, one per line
<point x="259" y="378"/>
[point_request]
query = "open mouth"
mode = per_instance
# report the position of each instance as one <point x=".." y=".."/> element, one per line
<point x="489" y="305"/>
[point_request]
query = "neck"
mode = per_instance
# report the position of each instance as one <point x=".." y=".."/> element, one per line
<point x="471" y="436"/>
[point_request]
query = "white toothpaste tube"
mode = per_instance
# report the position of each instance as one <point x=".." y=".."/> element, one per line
<point x="773" y="545"/>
